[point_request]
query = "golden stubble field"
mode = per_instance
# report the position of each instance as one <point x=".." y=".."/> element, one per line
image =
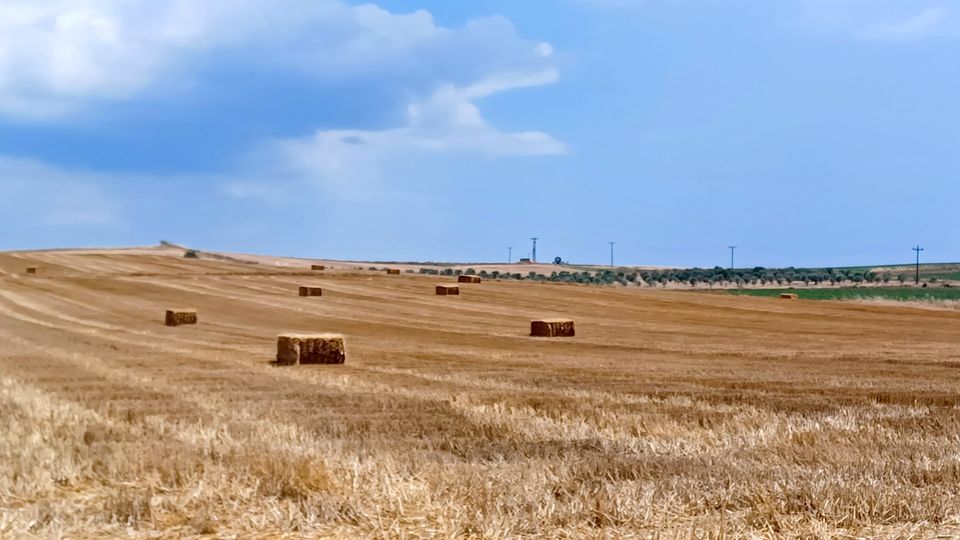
<point x="670" y="415"/>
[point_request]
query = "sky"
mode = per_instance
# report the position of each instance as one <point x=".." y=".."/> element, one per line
<point x="805" y="132"/>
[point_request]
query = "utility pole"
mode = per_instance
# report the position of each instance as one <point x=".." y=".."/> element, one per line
<point x="534" y="257"/>
<point x="732" y="248"/>
<point x="510" y="255"/>
<point x="918" y="249"/>
<point x="611" y="252"/>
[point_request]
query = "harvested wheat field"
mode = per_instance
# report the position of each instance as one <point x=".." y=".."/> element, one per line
<point x="669" y="415"/>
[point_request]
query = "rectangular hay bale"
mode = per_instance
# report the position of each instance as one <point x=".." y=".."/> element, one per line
<point x="448" y="290"/>
<point x="33" y="270"/>
<point x="317" y="267"/>
<point x="310" y="349"/>
<point x="178" y="317"/>
<point x="469" y="279"/>
<point x="393" y="271"/>
<point x="311" y="291"/>
<point x="790" y="296"/>
<point x="552" y="328"/>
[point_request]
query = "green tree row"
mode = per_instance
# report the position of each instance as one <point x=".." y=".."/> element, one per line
<point x="724" y="277"/>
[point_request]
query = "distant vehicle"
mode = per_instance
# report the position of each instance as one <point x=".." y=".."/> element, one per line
<point x="524" y="261"/>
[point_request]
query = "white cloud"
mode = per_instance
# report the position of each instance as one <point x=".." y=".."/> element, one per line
<point x="58" y="56"/>
<point x="64" y="56"/>
<point x="52" y="54"/>
<point x="36" y="194"/>
<point x="353" y="163"/>
<point x="885" y="20"/>
<point x="927" y="23"/>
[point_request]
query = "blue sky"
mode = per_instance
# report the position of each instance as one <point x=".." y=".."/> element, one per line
<point x="807" y="132"/>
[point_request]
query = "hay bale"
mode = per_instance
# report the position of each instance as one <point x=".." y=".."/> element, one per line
<point x="552" y="328"/>
<point x="393" y="271"/>
<point x="288" y="350"/>
<point x="469" y="279"/>
<point x="310" y="349"/>
<point x="789" y="296"/>
<point x="448" y="290"/>
<point x="317" y="267"/>
<point x="177" y="317"/>
<point x="33" y="270"/>
<point x="311" y="291"/>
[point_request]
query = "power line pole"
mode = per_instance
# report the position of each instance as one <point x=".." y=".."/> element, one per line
<point x="918" y="249"/>
<point x="534" y="257"/>
<point x="611" y="252"/>
<point x="510" y="255"/>
<point x="732" y="248"/>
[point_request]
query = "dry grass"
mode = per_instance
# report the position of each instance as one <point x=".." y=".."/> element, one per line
<point x="931" y="303"/>
<point x="670" y="415"/>
<point x="447" y="290"/>
<point x="310" y="291"/>
<point x="552" y="328"/>
<point x="179" y="317"/>
<point x="310" y="349"/>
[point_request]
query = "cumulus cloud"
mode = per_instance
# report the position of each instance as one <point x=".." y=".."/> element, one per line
<point x="351" y="162"/>
<point x="59" y="56"/>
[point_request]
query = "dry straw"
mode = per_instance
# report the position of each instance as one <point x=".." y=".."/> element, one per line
<point x="448" y="290"/>
<point x="310" y="349"/>
<point x="178" y="317"/>
<point x="311" y="291"/>
<point x="552" y="328"/>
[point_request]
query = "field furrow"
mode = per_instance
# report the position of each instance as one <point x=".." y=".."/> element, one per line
<point x="669" y="415"/>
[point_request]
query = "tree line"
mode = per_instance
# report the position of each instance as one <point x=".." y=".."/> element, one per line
<point x="709" y="277"/>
